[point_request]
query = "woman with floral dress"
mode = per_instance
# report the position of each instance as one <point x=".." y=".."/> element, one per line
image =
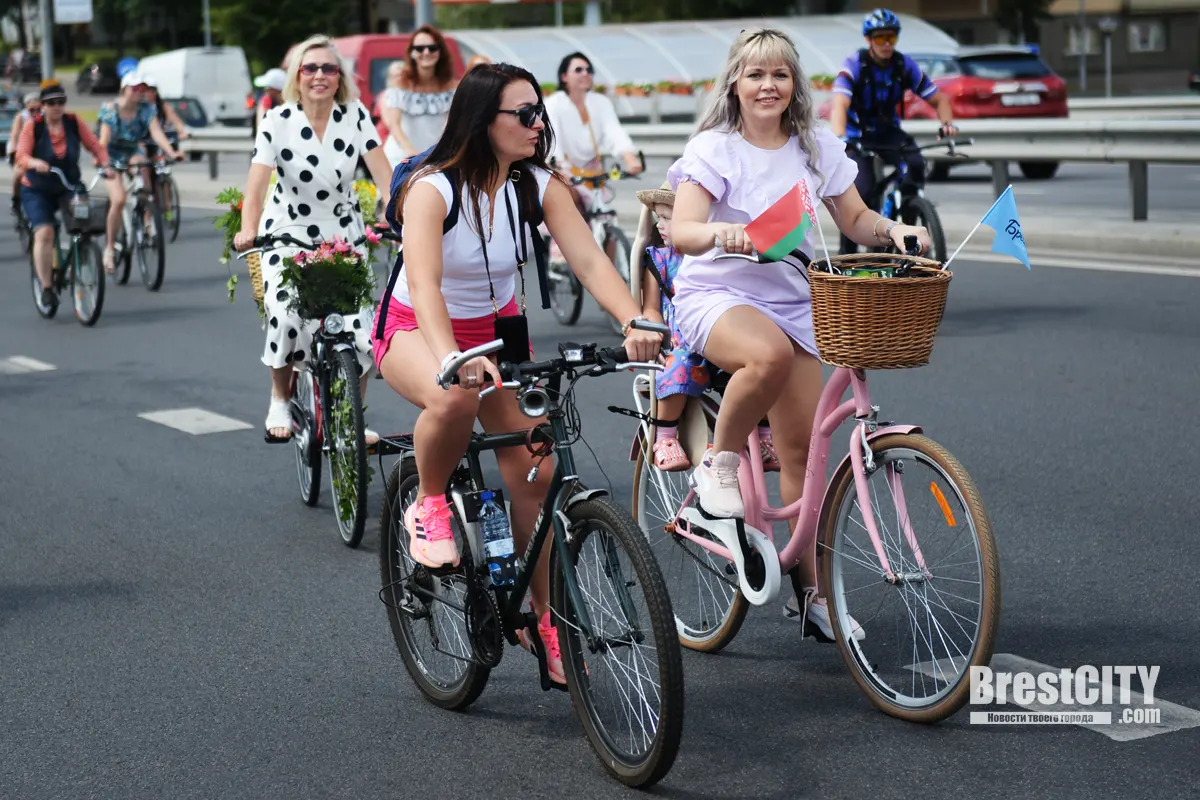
<point x="313" y="142"/>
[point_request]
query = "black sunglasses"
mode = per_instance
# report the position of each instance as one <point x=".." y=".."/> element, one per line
<point x="425" y="48"/>
<point x="326" y="69"/>
<point x="581" y="70"/>
<point x="526" y="115"/>
<point x="55" y="101"/>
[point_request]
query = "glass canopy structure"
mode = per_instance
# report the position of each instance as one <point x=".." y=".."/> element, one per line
<point x="686" y="52"/>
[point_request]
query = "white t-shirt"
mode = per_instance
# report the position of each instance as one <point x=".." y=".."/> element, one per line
<point x="573" y="137"/>
<point x="464" y="279"/>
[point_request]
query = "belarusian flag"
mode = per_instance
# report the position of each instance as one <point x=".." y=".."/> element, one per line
<point x="781" y="228"/>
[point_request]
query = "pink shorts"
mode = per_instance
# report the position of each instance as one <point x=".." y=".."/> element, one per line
<point x="468" y="333"/>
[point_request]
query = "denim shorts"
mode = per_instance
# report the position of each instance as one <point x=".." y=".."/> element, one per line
<point x="40" y="208"/>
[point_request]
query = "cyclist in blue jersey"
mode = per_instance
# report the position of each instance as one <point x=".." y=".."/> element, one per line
<point x="868" y="95"/>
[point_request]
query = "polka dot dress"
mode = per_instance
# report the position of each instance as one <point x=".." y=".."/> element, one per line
<point x="313" y="199"/>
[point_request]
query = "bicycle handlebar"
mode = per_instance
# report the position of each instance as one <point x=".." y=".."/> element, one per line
<point x="267" y="240"/>
<point x="950" y="144"/>
<point x="617" y="173"/>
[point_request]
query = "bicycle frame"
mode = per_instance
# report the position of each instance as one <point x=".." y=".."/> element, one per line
<point x="830" y="414"/>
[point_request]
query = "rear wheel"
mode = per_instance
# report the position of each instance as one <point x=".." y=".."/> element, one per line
<point x="920" y="211"/>
<point x="345" y="437"/>
<point x="151" y="243"/>
<point x="46" y="311"/>
<point x="124" y="256"/>
<point x="919" y="636"/>
<point x="627" y="684"/>
<point x="424" y="609"/>
<point x="87" y="283"/>
<point x="1038" y="170"/>
<point x="709" y="609"/>
<point x="170" y="198"/>
<point x="620" y="244"/>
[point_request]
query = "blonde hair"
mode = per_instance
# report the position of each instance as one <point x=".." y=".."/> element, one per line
<point x="723" y="112"/>
<point x="346" y="90"/>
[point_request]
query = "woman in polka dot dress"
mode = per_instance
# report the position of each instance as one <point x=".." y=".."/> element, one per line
<point x="313" y="142"/>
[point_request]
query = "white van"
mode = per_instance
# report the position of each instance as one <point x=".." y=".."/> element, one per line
<point x="217" y="77"/>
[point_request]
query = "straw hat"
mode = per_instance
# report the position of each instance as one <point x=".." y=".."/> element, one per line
<point x="652" y="197"/>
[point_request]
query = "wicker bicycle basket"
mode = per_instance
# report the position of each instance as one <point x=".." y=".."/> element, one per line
<point x="254" y="265"/>
<point x="877" y="322"/>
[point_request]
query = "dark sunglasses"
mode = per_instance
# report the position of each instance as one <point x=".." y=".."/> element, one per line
<point x="425" y="48"/>
<point x="527" y="115"/>
<point x="581" y="70"/>
<point x="324" y="69"/>
<point x="55" y="101"/>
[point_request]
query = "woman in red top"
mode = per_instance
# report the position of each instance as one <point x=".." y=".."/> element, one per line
<point x="56" y="140"/>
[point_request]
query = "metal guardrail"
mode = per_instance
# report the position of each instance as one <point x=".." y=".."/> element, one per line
<point x="1137" y="143"/>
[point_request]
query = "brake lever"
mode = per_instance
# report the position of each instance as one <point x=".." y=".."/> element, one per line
<point x="504" y="385"/>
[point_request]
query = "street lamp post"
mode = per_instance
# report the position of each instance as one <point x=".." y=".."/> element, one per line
<point x="1083" y="41"/>
<point x="1108" y="26"/>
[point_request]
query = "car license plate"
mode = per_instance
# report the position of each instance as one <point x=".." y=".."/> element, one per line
<point x="1027" y="99"/>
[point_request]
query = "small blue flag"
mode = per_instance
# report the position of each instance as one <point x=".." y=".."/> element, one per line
<point x="1002" y="218"/>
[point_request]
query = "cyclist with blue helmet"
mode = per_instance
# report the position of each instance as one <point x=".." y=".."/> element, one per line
<point x="868" y="94"/>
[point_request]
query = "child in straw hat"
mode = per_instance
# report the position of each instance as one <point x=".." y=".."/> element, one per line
<point x="685" y="373"/>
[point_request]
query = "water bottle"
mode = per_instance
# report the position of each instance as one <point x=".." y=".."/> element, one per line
<point x="497" y="541"/>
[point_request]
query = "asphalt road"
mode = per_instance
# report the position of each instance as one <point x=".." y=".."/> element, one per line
<point x="173" y="620"/>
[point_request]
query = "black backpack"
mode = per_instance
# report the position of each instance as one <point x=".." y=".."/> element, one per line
<point x="866" y="81"/>
<point x="529" y="217"/>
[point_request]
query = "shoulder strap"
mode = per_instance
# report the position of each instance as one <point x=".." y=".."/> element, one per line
<point x="531" y="217"/>
<point x="39" y="127"/>
<point x="900" y="77"/>
<point x="74" y="120"/>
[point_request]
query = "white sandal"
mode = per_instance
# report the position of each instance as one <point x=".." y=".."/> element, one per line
<point x="278" y="416"/>
<point x="370" y="437"/>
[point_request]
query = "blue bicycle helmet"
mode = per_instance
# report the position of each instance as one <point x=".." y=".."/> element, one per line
<point x="126" y="65"/>
<point x="880" y="20"/>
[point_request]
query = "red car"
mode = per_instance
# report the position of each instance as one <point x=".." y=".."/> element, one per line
<point x="989" y="82"/>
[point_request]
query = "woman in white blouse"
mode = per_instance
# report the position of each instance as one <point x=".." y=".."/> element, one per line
<point x="585" y="125"/>
<point x="415" y="110"/>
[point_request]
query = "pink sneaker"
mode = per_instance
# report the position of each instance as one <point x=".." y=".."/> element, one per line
<point x="669" y="456"/>
<point x="549" y="634"/>
<point x="430" y="540"/>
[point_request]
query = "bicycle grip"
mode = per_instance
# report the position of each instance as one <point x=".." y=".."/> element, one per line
<point x="614" y="354"/>
<point x="912" y="246"/>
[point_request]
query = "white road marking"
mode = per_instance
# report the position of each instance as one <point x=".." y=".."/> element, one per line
<point x="195" y="421"/>
<point x="1174" y="717"/>
<point x="1177" y="268"/>
<point x="19" y="365"/>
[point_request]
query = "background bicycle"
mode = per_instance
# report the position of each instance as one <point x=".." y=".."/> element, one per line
<point x="77" y="264"/>
<point x="143" y="229"/>
<point x="327" y="411"/>
<point x="897" y="199"/>
<point x="620" y="651"/>
<point x="566" y="292"/>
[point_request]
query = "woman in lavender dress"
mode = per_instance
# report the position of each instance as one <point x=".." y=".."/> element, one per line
<point x="756" y="140"/>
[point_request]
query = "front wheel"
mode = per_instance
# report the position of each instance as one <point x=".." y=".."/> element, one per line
<point x="150" y="238"/>
<point x="619" y="242"/>
<point x="123" y="257"/>
<point x="909" y="643"/>
<point x="49" y="311"/>
<point x="87" y="282"/>
<point x="626" y="679"/>
<point x="920" y="211"/>
<point x="346" y="444"/>
<point x="306" y="433"/>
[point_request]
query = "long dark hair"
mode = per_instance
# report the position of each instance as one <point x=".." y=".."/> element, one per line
<point x="566" y="62"/>
<point x="464" y="153"/>
<point x="441" y="70"/>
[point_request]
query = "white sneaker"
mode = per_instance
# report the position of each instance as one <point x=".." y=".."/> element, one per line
<point x="716" y="484"/>
<point x="816" y="620"/>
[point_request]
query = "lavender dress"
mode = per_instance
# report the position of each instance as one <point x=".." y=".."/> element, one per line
<point x="745" y="181"/>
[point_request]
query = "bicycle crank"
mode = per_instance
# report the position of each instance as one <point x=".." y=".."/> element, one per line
<point x="753" y="553"/>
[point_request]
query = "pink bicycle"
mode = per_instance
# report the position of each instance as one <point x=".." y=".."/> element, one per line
<point x="907" y="560"/>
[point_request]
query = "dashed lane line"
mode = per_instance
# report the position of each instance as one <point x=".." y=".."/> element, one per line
<point x="195" y="421"/>
<point x="20" y="365"/>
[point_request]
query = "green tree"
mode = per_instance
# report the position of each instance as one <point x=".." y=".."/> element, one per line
<point x="1023" y="18"/>
<point x="265" y="29"/>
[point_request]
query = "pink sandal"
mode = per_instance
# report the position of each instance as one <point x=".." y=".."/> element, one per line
<point x="669" y="456"/>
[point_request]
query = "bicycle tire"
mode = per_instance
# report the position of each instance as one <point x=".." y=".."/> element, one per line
<point x="350" y="469"/>
<point x="123" y="261"/>
<point x="637" y="770"/>
<point x="172" y="191"/>
<point x="858" y="663"/>
<point x="91" y="262"/>
<point x="24" y="234"/>
<point x="621" y="248"/>
<point x="566" y="310"/>
<point x="152" y="270"/>
<point x="46" y="312"/>
<point x="671" y="549"/>
<point x="306" y="417"/>
<point x="920" y="208"/>
<point x="402" y="483"/>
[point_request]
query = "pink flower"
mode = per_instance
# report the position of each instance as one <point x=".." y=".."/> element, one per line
<point x="341" y="246"/>
<point x="301" y="257"/>
<point x="373" y="236"/>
